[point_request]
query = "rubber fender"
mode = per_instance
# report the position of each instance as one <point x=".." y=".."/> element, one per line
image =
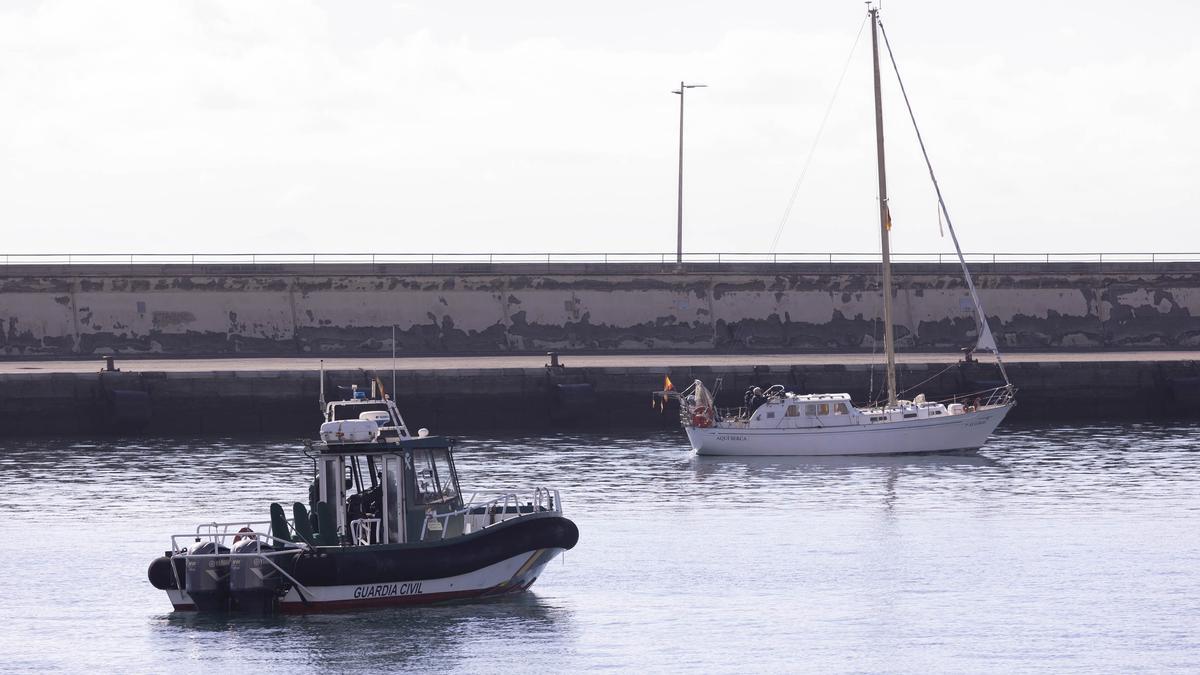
<point x="160" y="574"/>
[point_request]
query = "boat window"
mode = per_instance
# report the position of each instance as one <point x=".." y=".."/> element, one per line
<point x="448" y="486"/>
<point x="770" y="415"/>
<point x="823" y="409"/>
<point x="395" y="506"/>
<point x="793" y="411"/>
<point x="810" y="410"/>
<point x="840" y="409"/>
<point x="433" y="473"/>
<point x="424" y="477"/>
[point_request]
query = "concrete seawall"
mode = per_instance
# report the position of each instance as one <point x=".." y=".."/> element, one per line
<point x="48" y="311"/>
<point x="535" y="399"/>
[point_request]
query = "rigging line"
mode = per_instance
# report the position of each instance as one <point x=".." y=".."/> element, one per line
<point x="816" y="140"/>
<point x="931" y="377"/>
<point x="942" y="203"/>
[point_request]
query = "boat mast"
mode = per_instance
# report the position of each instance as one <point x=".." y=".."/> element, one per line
<point x="884" y="218"/>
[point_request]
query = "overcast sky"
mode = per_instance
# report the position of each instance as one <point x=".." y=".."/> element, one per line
<point x="297" y="125"/>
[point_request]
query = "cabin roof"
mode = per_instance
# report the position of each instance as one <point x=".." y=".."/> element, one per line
<point x="818" y="397"/>
<point x="387" y="447"/>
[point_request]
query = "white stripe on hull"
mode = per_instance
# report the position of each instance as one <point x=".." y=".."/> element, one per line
<point x="967" y="431"/>
<point x="509" y="575"/>
<point x="512" y="573"/>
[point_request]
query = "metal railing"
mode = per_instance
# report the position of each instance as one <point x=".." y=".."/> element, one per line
<point x="366" y="531"/>
<point x="495" y="511"/>
<point x="257" y="259"/>
<point x="1002" y="395"/>
<point x="219" y="533"/>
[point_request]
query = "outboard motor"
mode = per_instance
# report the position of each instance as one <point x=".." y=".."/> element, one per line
<point x="253" y="582"/>
<point x="207" y="578"/>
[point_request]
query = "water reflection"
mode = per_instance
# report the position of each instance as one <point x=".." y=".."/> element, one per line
<point x="836" y="466"/>
<point x="384" y="639"/>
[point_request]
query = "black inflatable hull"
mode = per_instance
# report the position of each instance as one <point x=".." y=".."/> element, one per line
<point x="503" y="558"/>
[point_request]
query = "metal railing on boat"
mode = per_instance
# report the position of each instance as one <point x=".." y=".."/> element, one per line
<point x="219" y="532"/>
<point x="739" y="417"/>
<point x="365" y="531"/>
<point x="495" y="511"/>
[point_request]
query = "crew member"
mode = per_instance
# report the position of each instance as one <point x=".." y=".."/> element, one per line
<point x="756" y="399"/>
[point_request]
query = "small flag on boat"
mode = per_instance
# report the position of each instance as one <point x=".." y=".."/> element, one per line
<point x="667" y="386"/>
<point x="887" y="218"/>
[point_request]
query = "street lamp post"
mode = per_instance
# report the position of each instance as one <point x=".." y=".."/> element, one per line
<point x="679" y="211"/>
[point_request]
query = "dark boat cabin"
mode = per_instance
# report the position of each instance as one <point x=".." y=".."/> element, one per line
<point x="386" y="492"/>
<point x="376" y="484"/>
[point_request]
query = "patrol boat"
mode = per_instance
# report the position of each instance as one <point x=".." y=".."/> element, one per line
<point x="385" y="524"/>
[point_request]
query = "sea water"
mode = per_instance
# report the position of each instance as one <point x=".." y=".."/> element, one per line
<point x="1053" y="549"/>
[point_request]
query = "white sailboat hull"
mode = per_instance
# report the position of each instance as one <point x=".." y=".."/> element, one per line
<point x="968" y="431"/>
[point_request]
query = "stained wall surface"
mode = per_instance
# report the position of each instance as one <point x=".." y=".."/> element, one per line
<point x="460" y="309"/>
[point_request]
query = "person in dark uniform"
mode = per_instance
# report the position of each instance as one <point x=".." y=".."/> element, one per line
<point x="756" y="399"/>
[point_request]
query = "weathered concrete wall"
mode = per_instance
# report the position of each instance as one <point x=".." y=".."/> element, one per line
<point x="531" y="400"/>
<point x="184" y="310"/>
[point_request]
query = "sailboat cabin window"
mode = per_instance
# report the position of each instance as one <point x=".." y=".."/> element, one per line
<point x="840" y="409"/>
<point x="822" y="408"/>
<point x="810" y="410"/>
<point x="793" y="411"/>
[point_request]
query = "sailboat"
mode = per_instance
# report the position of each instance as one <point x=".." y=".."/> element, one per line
<point x="780" y="422"/>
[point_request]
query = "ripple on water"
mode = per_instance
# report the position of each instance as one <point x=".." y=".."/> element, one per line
<point x="1055" y="547"/>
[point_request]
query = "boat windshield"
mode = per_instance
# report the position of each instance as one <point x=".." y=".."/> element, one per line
<point x="435" y="477"/>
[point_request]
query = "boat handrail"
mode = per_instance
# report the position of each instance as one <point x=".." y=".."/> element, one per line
<point x="218" y="539"/>
<point x="545" y="500"/>
<point x="732" y="414"/>
<point x="365" y="531"/>
<point x="1001" y="395"/>
<point x="208" y="528"/>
